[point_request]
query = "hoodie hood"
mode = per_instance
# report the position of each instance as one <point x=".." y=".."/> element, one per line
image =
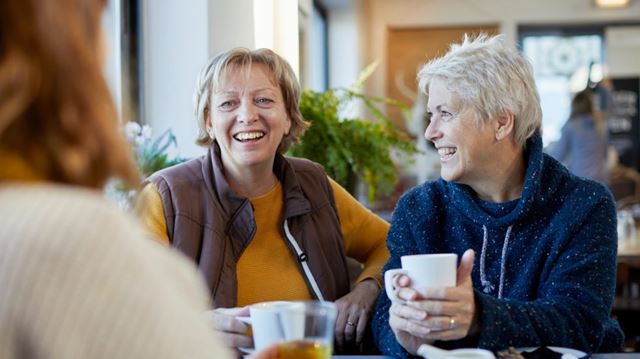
<point x="468" y="203"/>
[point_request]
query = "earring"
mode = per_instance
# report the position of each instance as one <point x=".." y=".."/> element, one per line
<point x="210" y="132"/>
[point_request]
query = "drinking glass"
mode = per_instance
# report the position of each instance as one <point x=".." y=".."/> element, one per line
<point x="626" y="227"/>
<point x="308" y="330"/>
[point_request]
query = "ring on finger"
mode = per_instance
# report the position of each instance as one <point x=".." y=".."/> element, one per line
<point x="452" y="323"/>
<point x="350" y="323"/>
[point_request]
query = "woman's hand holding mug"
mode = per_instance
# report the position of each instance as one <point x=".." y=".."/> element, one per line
<point x="423" y="313"/>
<point x="233" y="332"/>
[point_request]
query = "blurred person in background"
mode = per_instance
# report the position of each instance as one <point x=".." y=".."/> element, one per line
<point x="582" y="146"/>
<point x="262" y="226"/>
<point x="78" y="279"/>
<point x="545" y="240"/>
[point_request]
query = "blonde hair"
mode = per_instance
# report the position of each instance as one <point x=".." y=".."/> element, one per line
<point x="490" y="77"/>
<point x="225" y="64"/>
<point x="55" y="108"/>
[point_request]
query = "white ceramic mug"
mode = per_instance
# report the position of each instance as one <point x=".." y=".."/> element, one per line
<point x="266" y="322"/>
<point x="424" y="270"/>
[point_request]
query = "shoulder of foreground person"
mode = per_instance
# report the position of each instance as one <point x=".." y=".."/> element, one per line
<point x="83" y="283"/>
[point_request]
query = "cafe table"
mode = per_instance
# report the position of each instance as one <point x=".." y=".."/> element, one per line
<point x="594" y="356"/>
<point x="629" y="251"/>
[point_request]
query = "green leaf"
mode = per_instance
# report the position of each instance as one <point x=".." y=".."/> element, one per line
<point x="353" y="145"/>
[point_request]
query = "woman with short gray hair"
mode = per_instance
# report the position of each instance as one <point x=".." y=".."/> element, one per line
<point x="545" y="239"/>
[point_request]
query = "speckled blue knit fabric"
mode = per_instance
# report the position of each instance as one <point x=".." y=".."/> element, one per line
<point x="558" y="268"/>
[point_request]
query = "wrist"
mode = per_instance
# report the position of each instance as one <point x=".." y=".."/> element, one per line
<point x="369" y="284"/>
<point x="474" y="329"/>
<point x="412" y="348"/>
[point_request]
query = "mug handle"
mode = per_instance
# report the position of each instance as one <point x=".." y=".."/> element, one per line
<point x="388" y="283"/>
<point x="246" y="320"/>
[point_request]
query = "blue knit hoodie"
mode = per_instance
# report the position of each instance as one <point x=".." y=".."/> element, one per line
<point x="545" y="265"/>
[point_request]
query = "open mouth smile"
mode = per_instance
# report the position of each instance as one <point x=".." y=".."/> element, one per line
<point x="446" y="153"/>
<point x="248" y="136"/>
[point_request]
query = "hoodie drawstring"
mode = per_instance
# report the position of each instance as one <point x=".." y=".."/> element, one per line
<point x="487" y="286"/>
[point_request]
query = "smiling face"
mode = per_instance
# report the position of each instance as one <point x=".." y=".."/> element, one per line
<point x="466" y="145"/>
<point x="248" y="118"/>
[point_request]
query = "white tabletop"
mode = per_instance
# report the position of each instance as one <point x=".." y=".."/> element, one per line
<point x="594" y="356"/>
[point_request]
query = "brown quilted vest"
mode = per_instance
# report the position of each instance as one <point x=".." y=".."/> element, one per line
<point x="211" y="224"/>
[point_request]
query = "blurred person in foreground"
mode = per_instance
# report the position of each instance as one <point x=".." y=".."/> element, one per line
<point x="262" y="226"/>
<point x="544" y="239"/>
<point x="78" y="280"/>
<point x="582" y="146"/>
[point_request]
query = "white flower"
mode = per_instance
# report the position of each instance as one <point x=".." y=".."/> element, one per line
<point x="139" y="141"/>
<point x="132" y="130"/>
<point x="146" y="132"/>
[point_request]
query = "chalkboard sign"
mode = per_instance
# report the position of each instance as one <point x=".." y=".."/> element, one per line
<point x="623" y="121"/>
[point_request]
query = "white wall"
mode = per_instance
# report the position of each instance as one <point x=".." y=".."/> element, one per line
<point x="346" y="43"/>
<point x="174" y="50"/>
<point x="113" y="64"/>
<point x="230" y="24"/>
<point x="180" y="37"/>
<point x="623" y="51"/>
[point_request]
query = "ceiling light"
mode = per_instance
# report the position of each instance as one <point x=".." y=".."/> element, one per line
<point x="610" y="4"/>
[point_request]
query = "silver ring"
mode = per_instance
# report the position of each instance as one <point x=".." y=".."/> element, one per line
<point x="452" y="322"/>
<point x="350" y="323"/>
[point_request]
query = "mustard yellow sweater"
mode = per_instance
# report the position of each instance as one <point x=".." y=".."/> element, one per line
<point x="267" y="269"/>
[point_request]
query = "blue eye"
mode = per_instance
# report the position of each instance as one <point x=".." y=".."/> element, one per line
<point x="264" y="101"/>
<point x="446" y="115"/>
<point x="225" y="104"/>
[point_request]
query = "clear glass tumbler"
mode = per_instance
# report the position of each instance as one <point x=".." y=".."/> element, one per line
<point x="308" y="330"/>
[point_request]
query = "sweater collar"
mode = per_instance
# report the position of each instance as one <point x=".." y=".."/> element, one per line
<point x="294" y="201"/>
<point x="465" y="199"/>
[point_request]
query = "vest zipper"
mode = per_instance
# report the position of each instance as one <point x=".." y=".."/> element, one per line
<point x="302" y="259"/>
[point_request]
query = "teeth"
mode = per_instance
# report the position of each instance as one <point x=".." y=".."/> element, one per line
<point x="446" y="151"/>
<point x="248" y="136"/>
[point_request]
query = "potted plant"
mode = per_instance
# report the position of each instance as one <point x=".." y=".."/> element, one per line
<point x="351" y="148"/>
<point x="150" y="154"/>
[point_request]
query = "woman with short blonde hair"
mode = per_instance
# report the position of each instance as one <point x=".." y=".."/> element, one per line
<point x="212" y="77"/>
<point x="263" y="226"/>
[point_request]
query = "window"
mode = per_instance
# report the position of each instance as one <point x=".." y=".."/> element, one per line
<point x="564" y="60"/>
<point x="121" y="24"/>
<point x="314" y="58"/>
